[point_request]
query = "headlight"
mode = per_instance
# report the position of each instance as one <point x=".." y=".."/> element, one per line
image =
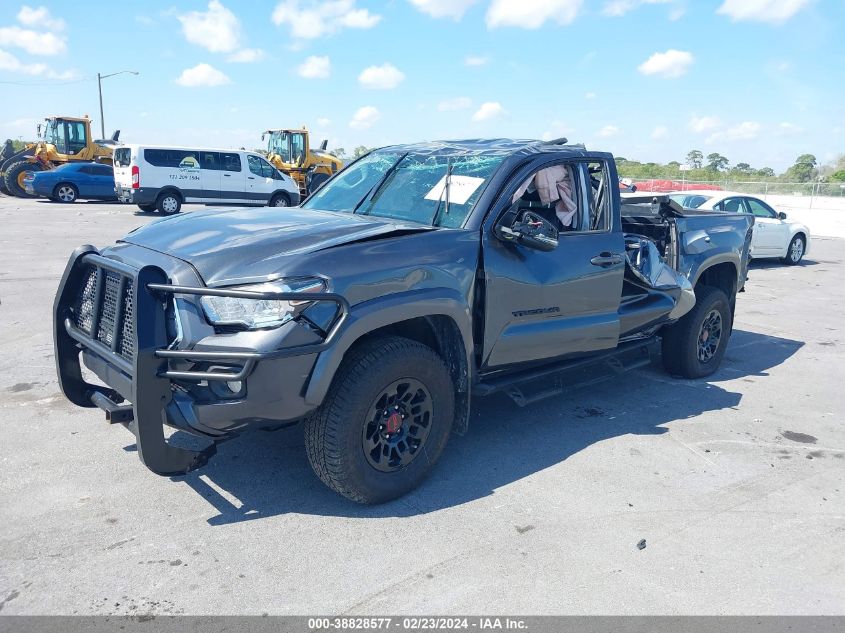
<point x="259" y="313"/>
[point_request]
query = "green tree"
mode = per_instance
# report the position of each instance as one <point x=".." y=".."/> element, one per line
<point x="742" y="168"/>
<point x="338" y="152"/>
<point x="716" y="162"/>
<point x="804" y="169"/>
<point x="694" y="159"/>
<point x="673" y="164"/>
<point x="765" y="172"/>
<point x="360" y="151"/>
<point x="838" y="176"/>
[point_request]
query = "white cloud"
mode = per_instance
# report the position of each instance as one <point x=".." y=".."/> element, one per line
<point x="618" y="8"/>
<point x="12" y="64"/>
<point x="589" y="95"/>
<point x="324" y="122"/>
<point x="532" y="14"/>
<point x="384" y="77"/>
<point x="458" y="103"/>
<point x="671" y="64"/>
<point x="247" y="56"/>
<point x="41" y="18"/>
<point x="202" y="75"/>
<point x="217" y="30"/>
<point x="365" y="118"/>
<point x="704" y="123"/>
<point x="454" y="9"/>
<point x="772" y="11"/>
<point x="659" y="132"/>
<point x="476" y="60"/>
<point x="315" y="67"/>
<point x="789" y="128"/>
<point x="309" y="20"/>
<point x="488" y="110"/>
<point x="33" y="42"/>
<point x="557" y="129"/>
<point x="745" y="131"/>
<point x="607" y="131"/>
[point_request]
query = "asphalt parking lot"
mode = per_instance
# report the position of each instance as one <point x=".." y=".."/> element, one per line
<point x="737" y="483"/>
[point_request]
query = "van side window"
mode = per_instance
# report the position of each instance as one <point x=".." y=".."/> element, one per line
<point x="260" y="167"/>
<point x="231" y="162"/>
<point x="210" y="160"/>
<point x="170" y="157"/>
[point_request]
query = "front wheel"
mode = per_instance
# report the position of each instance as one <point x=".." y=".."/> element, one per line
<point x="795" y="252"/>
<point x="65" y="192"/>
<point x="694" y="346"/>
<point x="385" y="421"/>
<point x="14" y="178"/>
<point x="168" y="203"/>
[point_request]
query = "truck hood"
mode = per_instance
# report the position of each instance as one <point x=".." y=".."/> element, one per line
<point x="227" y="245"/>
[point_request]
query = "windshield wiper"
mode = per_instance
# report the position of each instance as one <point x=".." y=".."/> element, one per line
<point x="444" y="192"/>
<point x="377" y="187"/>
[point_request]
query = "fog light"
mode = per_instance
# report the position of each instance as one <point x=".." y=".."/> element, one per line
<point x="234" y="386"/>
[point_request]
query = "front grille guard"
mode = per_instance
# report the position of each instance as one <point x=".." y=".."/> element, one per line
<point x="148" y="370"/>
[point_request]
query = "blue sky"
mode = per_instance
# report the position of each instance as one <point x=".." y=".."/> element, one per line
<point x="760" y="81"/>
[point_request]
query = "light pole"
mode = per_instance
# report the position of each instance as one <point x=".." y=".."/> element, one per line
<point x="100" y="87"/>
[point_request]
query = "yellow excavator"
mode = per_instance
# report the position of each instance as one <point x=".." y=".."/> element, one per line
<point x="61" y="140"/>
<point x="290" y="152"/>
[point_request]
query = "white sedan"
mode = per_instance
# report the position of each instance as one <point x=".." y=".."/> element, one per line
<point x="773" y="235"/>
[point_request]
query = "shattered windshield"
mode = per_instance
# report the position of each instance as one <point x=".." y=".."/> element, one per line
<point x="437" y="189"/>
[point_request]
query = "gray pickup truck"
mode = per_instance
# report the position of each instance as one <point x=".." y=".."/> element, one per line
<point x="417" y="277"/>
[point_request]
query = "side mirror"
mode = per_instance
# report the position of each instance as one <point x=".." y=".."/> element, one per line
<point x="532" y="231"/>
<point x="781" y="216"/>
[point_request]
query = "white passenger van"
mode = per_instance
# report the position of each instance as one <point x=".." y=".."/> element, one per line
<point x="162" y="179"/>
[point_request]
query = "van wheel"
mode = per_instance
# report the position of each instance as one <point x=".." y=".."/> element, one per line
<point x="280" y="200"/>
<point x="385" y="421"/>
<point x="65" y="192"/>
<point x="149" y="208"/>
<point x="694" y="346"/>
<point x="168" y="203"/>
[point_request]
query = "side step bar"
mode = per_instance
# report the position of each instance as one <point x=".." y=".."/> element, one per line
<point x="565" y="375"/>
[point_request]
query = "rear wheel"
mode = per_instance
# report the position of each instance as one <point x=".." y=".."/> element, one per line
<point x="694" y="346"/>
<point x="168" y="203"/>
<point x="65" y="192"/>
<point x="280" y="200"/>
<point x="795" y="252"/>
<point x="385" y="421"/>
<point x="14" y="176"/>
<point x="149" y="208"/>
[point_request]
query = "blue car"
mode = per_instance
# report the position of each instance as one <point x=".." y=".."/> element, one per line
<point x="72" y="181"/>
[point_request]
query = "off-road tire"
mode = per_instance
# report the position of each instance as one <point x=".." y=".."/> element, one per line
<point x="681" y="340"/>
<point x="793" y="256"/>
<point x="317" y="181"/>
<point x="165" y="206"/>
<point x="333" y="433"/>
<point x="10" y="178"/>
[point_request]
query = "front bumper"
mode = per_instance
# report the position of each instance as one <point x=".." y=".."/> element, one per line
<point x="157" y="379"/>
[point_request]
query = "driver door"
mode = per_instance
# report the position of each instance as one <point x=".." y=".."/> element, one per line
<point x="545" y="305"/>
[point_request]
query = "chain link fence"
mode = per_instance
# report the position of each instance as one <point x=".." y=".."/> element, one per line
<point x="761" y="188"/>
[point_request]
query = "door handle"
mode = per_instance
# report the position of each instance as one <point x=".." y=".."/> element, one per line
<point x="606" y="259"/>
<point x="251" y="177"/>
<point x="228" y="175"/>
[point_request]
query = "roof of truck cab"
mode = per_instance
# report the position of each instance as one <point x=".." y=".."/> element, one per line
<point x="500" y="146"/>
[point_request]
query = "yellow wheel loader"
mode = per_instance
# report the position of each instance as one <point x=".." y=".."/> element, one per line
<point x="290" y="152"/>
<point x="60" y="140"/>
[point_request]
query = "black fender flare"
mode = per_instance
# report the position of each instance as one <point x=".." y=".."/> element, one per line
<point x="377" y="313"/>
